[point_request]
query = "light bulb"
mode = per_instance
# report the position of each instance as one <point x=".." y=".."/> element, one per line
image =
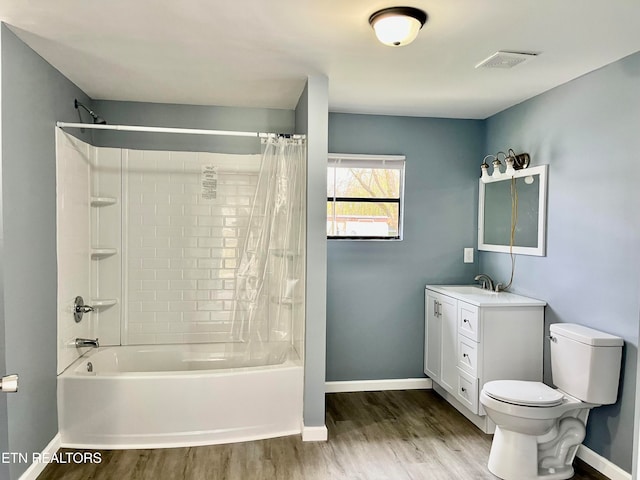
<point x="496" y="169"/>
<point x="510" y="171"/>
<point x="485" y="172"/>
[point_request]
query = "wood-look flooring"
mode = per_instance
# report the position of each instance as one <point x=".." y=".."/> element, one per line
<point x="390" y="435"/>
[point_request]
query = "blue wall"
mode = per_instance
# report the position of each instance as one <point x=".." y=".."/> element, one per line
<point x="375" y="290"/>
<point x="588" y="131"/>
<point x="311" y="119"/>
<point x="34" y="97"/>
<point x="189" y="116"/>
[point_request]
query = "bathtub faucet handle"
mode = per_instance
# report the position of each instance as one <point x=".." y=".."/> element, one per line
<point x="79" y="309"/>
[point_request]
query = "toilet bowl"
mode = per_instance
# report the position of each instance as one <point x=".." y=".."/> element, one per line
<point x="539" y="428"/>
<point x="523" y="414"/>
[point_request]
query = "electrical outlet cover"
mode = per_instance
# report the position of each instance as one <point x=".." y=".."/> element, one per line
<point x="468" y="255"/>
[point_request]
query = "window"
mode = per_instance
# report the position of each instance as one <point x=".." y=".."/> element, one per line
<point x="364" y="196"/>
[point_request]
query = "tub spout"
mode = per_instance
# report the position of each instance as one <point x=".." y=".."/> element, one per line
<point x="87" y="342"/>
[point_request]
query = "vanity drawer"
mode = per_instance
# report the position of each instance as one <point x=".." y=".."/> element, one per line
<point x="467" y="392"/>
<point x="468" y="355"/>
<point x="468" y="324"/>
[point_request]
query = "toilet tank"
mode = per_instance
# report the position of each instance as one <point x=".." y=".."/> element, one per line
<point x="585" y="363"/>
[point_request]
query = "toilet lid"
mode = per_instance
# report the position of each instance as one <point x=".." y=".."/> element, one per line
<point x="518" y="392"/>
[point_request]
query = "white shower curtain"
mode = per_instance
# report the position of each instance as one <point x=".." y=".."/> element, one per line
<point x="269" y="291"/>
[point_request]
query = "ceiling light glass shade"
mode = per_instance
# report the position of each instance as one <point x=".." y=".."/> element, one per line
<point x="397" y="26"/>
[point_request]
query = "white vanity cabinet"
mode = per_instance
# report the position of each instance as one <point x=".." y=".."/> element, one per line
<point x="473" y="336"/>
<point x="440" y="331"/>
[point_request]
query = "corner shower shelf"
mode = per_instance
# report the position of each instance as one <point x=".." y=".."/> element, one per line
<point x="98" y="253"/>
<point x="103" y="201"/>
<point x="103" y="302"/>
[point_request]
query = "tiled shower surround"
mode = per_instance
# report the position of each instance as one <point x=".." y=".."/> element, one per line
<point x="153" y="241"/>
<point x="186" y="216"/>
<point x="166" y="235"/>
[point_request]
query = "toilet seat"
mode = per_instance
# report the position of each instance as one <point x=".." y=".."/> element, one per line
<point x="519" y="392"/>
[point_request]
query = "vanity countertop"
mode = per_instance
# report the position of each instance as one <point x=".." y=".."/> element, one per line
<point x="485" y="298"/>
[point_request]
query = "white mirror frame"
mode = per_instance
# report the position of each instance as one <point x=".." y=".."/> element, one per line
<point x="542" y="214"/>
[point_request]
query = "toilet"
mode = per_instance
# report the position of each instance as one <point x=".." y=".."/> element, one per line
<point x="539" y="428"/>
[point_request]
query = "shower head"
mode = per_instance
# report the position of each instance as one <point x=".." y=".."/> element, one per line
<point x="96" y="118"/>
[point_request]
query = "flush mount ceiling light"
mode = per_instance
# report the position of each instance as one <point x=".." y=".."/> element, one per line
<point x="397" y="26"/>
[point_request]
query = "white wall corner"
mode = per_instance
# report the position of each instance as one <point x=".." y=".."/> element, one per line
<point x="601" y="464"/>
<point x="376" y="385"/>
<point x="36" y="468"/>
<point x="315" y="434"/>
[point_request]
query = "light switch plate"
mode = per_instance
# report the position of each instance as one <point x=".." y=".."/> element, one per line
<point x="468" y="255"/>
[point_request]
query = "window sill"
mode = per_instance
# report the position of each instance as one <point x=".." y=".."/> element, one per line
<point x="375" y="239"/>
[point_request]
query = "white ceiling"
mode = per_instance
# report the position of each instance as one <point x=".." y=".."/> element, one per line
<point x="259" y="52"/>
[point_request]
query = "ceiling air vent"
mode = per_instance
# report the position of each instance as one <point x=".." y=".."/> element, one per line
<point x="502" y="59"/>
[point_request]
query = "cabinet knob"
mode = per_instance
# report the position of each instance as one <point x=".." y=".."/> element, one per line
<point x="465" y="320"/>
<point x="462" y="389"/>
<point x="465" y="355"/>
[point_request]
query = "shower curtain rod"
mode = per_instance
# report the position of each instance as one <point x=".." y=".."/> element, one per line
<point x="190" y="131"/>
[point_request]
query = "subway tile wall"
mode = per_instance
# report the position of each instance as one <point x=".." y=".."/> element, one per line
<point x="176" y="222"/>
<point x="185" y="219"/>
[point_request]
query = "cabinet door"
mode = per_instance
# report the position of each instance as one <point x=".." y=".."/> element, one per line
<point x="432" y="336"/>
<point x="448" y="313"/>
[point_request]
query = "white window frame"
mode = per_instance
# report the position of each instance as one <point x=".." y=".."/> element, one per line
<point x="371" y="161"/>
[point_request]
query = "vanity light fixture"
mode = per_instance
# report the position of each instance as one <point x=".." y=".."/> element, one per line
<point x="397" y="26"/>
<point x="512" y="161"/>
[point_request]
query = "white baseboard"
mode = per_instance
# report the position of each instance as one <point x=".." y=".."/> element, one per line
<point x="315" y="434"/>
<point x="36" y="468"/>
<point x="601" y="464"/>
<point x="374" y="385"/>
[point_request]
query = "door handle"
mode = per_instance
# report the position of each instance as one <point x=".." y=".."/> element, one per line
<point x="9" y="383"/>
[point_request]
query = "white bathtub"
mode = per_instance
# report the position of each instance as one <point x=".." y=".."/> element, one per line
<point x="179" y="395"/>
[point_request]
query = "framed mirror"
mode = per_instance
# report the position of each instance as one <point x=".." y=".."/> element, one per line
<point x="529" y="197"/>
